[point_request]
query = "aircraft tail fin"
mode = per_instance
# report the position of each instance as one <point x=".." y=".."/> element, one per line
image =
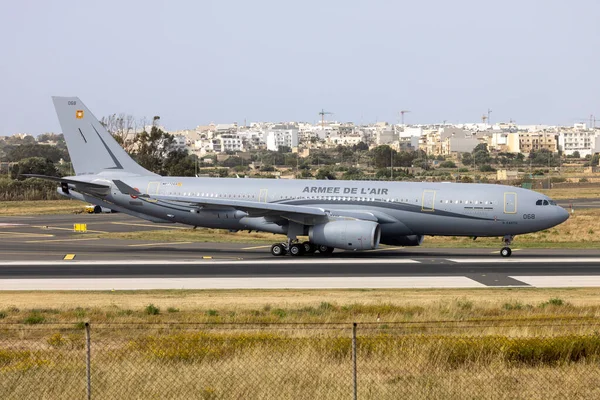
<point x="91" y="147"/>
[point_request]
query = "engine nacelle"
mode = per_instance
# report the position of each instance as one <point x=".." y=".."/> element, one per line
<point x="408" y="240"/>
<point x="348" y="235"/>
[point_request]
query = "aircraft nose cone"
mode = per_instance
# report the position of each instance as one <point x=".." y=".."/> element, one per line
<point x="562" y="215"/>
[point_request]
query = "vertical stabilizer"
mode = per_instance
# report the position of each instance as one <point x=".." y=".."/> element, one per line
<point x="91" y="147"/>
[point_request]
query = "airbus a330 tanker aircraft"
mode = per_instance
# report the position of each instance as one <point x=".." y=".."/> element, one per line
<point x="351" y="215"/>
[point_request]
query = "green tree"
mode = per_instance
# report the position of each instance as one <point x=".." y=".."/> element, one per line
<point x="448" y="164"/>
<point x="18" y="152"/>
<point x="360" y="146"/>
<point x="382" y="156"/>
<point x="232" y="161"/>
<point x="466" y="159"/>
<point x="153" y="148"/>
<point x="179" y="163"/>
<point x="486" y="168"/>
<point x="352" y="173"/>
<point x="325" y="173"/>
<point x="544" y="157"/>
<point x="33" y="165"/>
<point x="305" y="173"/>
<point x="481" y="155"/>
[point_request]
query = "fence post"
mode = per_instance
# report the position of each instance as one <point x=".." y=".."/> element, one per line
<point x="88" y="357"/>
<point x="354" y="376"/>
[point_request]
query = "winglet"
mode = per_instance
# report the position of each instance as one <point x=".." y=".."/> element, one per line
<point x="126" y="189"/>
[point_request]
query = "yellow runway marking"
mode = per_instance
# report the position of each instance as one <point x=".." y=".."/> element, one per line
<point x="207" y="257"/>
<point x="69" y="257"/>
<point x="150" y="225"/>
<point x="156" y="244"/>
<point x="60" y="240"/>
<point x="256" y="247"/>
<point x="65" y="229"/>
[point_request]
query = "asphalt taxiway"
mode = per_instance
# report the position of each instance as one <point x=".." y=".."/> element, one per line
<point x="43" y="252"/>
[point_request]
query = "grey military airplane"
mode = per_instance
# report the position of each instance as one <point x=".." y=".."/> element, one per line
<point x="351" y="215"/>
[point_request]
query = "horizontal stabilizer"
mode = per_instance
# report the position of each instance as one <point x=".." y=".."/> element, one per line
<point x="68" y="180"/>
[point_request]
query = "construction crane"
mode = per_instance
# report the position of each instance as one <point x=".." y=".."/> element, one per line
<point x="402" y="115"/>
<point x="323" y="113"/>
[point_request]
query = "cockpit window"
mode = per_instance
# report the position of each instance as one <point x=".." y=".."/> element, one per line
<point x="545" y="202"/>
<point x="538" y="203"/>
<point x="552" y="203"/>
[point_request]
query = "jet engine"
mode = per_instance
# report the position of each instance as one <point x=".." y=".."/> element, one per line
<point x="408" y="240"/>
<point x="349" y="235"/>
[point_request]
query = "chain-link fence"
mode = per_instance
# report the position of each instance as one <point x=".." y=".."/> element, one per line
<point x="291" y="361"/>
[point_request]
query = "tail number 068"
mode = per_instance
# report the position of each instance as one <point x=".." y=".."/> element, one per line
<point x="528" y="216"/>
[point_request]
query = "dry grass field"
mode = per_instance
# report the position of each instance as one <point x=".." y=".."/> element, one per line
<point x="40" y="207"/>
<point x="572" y="193"/>
<point x="451" y="344"/>
<point x="494" y="307"/>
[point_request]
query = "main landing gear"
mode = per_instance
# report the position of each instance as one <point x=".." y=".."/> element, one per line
<point x="295" y="248"/>
<point x="506" y="251"/>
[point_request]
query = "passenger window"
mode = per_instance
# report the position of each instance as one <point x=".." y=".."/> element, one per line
<point x="538" y="203"/>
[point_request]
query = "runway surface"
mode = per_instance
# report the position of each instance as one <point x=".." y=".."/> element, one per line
<point x="33" y="252"/>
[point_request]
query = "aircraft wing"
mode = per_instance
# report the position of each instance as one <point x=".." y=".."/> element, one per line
<point x="253" y="208"/>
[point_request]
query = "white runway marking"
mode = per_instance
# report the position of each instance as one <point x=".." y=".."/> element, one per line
<point x="60" y="240"/>
<point x="256" y="247"/>
<point x="384" y="282"/>
<point x="204" y="261"/>
<point x="560" y="281"/>
<point x="519" y="260"/>
<point x="157" y="244"/>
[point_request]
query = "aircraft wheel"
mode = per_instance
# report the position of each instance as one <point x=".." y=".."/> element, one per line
<point x="309" y="248"/>
<point x="505" y="252"/>
<point x="296" y="249"/>
<point x="325" y="249"/>
<point x="278" y="250"/>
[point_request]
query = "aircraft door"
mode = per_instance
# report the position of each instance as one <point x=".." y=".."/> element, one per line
<point x="428" y="201"/>
<point x="262" y="195"/>
<point x="510" y="203"/>
<point x="153" y="187"/>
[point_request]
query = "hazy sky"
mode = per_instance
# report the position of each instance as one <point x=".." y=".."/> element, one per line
<point x="196" y="62"/>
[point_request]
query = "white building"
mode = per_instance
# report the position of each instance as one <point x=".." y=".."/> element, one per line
<point x="280" y="135"/>
<point x="386" y="136"/>
<point x="582" y="141"/>
<point x="179" y="142"/>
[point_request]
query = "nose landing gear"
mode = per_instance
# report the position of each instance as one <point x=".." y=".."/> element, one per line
<point x="506" y="251"/>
